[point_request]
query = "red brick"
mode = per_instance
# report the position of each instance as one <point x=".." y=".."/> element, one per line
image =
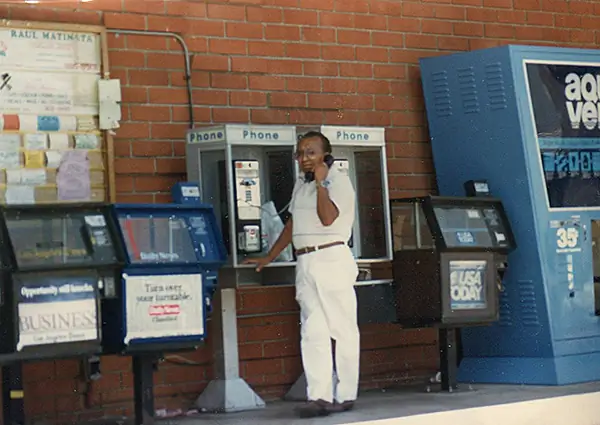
<point x="320" y="68"/>
<point x="431" y="26"/>
<point x="303" y="84"/>
<point x="389" y="71"/>
<point x="281" y="66"/>
<point x="247" y="98"/>
<point x="230" y="13"/>
<point x="453" y="43"/>
<point x="353" y="37"/>
<point x="372" y="54"/>
<point x="339" y="85"/>
<point x="387" y="39"/>
<point x="303" y="50"/>
<point x="404" y="24"/>
<point x="508" y="4"/>
<point x="528" y="4"/>
<point x="282" y="32"/>
<point x="164" y="60"/>
<point x="125" y="21"/>
<point x="264" y="14"/>
<point x="499" y="31"/>
<point x="134" y="166"/>
<point x="449" y="12"/>
<point x="265" y="82"/>
<point x="300" y="17"/>
<point x="266" y="48"/>
<point x="230" y="115"/>
<point x="317" y="4"/>
<point x="167" y="95"/>
<point x="337" y="20"/>
<point x="417" y="9"/>
<point x="150" y="113"/>
<point x="243" y="30"/>
<point x="211" y="62"/>
<point x="127" y="59"/>
<point x="318" y="35"/>
<point x="468" y="29"/>
<point x="338" y="53"/>
<point x="227" y="46"/>
<point x="229" y="81"/>
<point x="186" y="8"/>
<point x="420" y="41"/>
<point x="388" y="7"/>
<point x="287" y="100"/>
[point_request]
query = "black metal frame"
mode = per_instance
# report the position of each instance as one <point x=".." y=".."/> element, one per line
<point x="12" y="384"/>
<point x="428" y="203"/>
<point x="449" y="331"/>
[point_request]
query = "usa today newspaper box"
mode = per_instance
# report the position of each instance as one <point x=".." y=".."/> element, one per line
<point x="57" y="262"/>
<point x="448" y="256"/>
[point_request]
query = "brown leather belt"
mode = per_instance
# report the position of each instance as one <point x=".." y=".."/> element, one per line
<point x="309" y="249"/>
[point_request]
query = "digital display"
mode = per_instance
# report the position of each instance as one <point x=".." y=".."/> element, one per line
<point x="51" y="240"/>
<point x="157" y="240"/>
<point x="564" y="100"/>
<point x="466" y="226"/>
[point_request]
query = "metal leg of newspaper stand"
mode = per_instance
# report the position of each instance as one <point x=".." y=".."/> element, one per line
<point x="448" y="358"/>
<point x="143" y="389"/>
<point x="13" y="412"/>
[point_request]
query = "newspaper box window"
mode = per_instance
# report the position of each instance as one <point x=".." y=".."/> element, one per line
<point x="58" y="261"/>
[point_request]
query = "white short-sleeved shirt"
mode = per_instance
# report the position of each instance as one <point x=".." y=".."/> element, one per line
<point x="308" y="229"/>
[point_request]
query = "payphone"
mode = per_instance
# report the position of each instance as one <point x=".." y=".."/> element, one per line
<point x="249" y="172"/>
<point x="246" y="190"/>
<point x="524" y="118"/>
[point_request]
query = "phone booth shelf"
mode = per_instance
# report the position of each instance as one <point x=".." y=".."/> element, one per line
<point x="450" y="254"/>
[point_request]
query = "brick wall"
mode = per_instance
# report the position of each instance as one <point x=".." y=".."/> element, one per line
<point x="279" y="61"/>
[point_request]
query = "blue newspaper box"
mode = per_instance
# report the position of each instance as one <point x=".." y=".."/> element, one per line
<point x="162" y="303"/>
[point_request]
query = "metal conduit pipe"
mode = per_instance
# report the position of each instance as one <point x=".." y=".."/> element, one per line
<point x="186" y="52"/>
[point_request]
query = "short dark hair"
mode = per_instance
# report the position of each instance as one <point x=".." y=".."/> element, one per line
<point x="325" y="143"/>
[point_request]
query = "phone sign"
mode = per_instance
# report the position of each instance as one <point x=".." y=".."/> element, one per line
<point x="467" y="282"/>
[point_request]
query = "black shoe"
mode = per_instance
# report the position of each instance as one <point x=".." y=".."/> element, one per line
<point x="314" y="409"/>
<point x="341" y="407"/>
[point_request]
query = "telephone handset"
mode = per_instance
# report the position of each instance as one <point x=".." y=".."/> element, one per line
<point x="309" y="176"/>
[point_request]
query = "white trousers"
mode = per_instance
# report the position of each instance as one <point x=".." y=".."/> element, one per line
<point x="325" y="292"/>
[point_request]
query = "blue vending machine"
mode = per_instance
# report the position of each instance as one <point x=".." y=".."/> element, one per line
<point x="161" y="304"/>
<point x="526" y="119"/>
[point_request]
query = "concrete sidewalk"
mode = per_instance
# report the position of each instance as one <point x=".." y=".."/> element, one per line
<point x="479" y="405"/>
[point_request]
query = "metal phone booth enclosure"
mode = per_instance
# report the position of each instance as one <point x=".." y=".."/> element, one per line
<point x="449" y="257"/>
<point x="58" y="261"/>
<point x="248" y="172"/>
<point x="161" y="303"/>
<point x="526" y="120"/>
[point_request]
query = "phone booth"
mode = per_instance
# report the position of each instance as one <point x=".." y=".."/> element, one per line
<point x="248" y="172"/>
<point x="58" y="262"/>
<point x="161" y="305"/>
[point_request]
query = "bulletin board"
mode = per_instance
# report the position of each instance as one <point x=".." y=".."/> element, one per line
<point x="51" y="147"/>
